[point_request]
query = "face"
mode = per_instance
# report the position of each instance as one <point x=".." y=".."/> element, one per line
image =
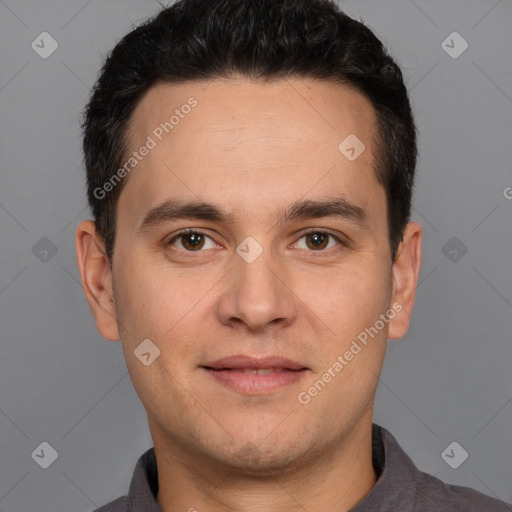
<point x="285" y="256"/>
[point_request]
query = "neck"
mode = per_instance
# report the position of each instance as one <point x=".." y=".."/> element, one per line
<point x="334" y="480"/>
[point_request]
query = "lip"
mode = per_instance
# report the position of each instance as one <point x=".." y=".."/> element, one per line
<point x="243" y="361"/>
<point x="228" y="372"/>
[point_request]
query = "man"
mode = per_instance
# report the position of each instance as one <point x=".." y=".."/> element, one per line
<point x="250" y="168"/>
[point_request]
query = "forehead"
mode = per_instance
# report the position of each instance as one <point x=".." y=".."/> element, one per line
<point x="304" y="110"/>
<point x="251" y="137"/>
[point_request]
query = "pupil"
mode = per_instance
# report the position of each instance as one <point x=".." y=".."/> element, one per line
<point x="318" y="239"/>
<point x="193" y="239"/>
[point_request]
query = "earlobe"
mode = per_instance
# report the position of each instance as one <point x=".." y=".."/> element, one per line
<point x="405" y="272"/>
<point x="96" y="277"/>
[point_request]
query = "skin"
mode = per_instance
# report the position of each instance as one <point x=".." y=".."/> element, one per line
<point x="253" y="149"/>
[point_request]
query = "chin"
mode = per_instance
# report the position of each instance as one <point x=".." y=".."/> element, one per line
<point x="262" y="459"/>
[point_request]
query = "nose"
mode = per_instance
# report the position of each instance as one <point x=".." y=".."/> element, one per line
<point x="257" y="295"/>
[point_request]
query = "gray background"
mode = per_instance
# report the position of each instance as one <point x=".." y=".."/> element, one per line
<point x="448" y="380"/>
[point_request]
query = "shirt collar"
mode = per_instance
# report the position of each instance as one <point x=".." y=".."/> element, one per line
<point x="396" y="476"/>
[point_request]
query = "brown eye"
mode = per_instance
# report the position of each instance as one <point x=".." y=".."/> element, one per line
<point x="191" y="241"/>
<point x="317" y="241"/>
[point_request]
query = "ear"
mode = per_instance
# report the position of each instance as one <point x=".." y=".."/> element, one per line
<point x="405" y="272"/>
<point x="96" y="278"/>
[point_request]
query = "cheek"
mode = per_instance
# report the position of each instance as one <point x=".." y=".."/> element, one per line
<point x="349" y="299"/>
<point x="155" y="302"/>
<point x="138" y="295"/>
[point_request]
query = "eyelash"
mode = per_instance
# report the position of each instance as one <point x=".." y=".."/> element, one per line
<point x="304" y="234"/>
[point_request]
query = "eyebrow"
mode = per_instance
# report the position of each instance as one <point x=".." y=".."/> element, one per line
<point x="306" y="209"/>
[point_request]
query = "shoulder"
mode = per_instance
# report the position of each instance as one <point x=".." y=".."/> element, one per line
<point x="434" y="494"/>
<point x="403" y="486"/>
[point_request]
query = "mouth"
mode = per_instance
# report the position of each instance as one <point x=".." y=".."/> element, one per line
<point x="252" y="371"/>
<point x="255" y="376"/>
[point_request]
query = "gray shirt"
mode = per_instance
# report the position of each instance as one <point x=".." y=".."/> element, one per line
<point x="400" y="486"/>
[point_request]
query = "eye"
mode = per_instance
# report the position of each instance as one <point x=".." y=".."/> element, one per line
<point x="317" y="240"/>
<point x="192" y="241"/>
